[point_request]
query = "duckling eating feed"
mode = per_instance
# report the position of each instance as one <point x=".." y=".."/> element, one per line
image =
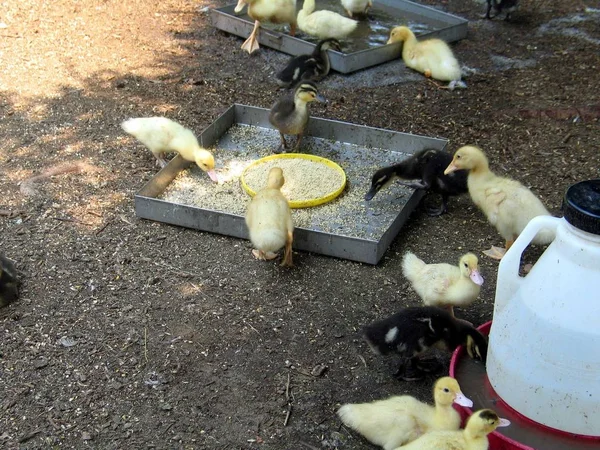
<point x="507" y="204"/>
<point x="161" y="135"/>
<point x="290" y="113"/>
<point x="274" y="11"/>
<point x="428" y="166"/>
<point x="432" y="57"/>
<point x="473" y="437"/>
<point x="313" y="67"/>
<point x="413" y="330"/>
<point x="269" y="220"/>
<point x="401" y="419"/>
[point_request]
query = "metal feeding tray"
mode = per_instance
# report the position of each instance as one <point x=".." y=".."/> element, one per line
<point x="348" y="227"/>
<point x="366" y="46"/>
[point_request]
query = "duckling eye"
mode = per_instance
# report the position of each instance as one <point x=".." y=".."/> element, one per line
<point x="446" y="390"/>
<point x="466" y="265"/>
<point x="457" y="156"/>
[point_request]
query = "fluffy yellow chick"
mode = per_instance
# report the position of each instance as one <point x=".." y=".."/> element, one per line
<point x="431" y="57"/>
<point x="507" y="204"/>
<point x="444" y="284"/>
<point x="269" y="220"/>
<point x="324" y="24"/>
<point x="401" y="419"/>
<point x="473" y="437"/>
<point x="274" y="11"/>
<point x="162" y="135"/>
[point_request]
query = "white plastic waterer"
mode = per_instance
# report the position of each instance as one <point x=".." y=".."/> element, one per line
<point x="544" y="345"/>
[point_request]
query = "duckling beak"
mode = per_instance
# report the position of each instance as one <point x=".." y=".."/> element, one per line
<point x="320" y="98"/>
<point x="451" y="168"/>
<point x="239" y="6"/>
<point x="476" y="277"/>
<point x="213" y="175"/>
<point x="503" y="423"/>
<point x="369" y="195"/>
<point x="462" y="400"/>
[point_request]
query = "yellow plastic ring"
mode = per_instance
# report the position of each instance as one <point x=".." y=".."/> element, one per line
<point x="300" y="203"/>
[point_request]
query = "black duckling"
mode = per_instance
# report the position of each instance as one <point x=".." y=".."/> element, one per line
<point x="290" y="113"/>
<point x="413" y="330"/>
<point x="312" y="67"/>
<point x="428" y="166"/>
<point x="509" y="6"/>
<point x="9" y="289"/>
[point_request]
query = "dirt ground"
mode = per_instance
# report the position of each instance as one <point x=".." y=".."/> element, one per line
<point x="135" y="334"/>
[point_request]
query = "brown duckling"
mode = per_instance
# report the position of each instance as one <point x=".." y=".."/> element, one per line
<point x="290" y="113"/>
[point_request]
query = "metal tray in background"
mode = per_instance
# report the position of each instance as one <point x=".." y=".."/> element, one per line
<point x="376" y="146"/>
<point x="438" y="24"/>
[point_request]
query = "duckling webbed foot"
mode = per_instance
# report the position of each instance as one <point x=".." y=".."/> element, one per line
<point x="435" y="211"/>
<point x="263" y="256"/>
<point x="251" y="44"/>
<point x="161" y="161"/>
<point x="282" y="146"/>
<point x="495" y="252"/>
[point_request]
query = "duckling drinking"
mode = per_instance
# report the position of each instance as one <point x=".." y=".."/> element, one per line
<point x="432" y="57"/>
<point x="161" y="135"/>
<point x="414" y="330"/>
<point x="428" y="166"/>
<point x="313" y="67"/>
<point x="274" y="11"/>
<point x="269" y="220"/>
<point x="473" y="437"/>
<point x="290" y="113"/>
<point x="401" y="419"/>
<point x="9" y="284"/>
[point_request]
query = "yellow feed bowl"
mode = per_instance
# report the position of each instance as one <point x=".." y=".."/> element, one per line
<point x="305" y="203"/>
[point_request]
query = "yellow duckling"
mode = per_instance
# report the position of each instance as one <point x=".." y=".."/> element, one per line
<point x="274" y="11"/>
<point x="324" y="24"/>
<point x="269" y="220"/>
<point x="401" y="419"/>
<point x="507" y="204"/>
<point x="432" y="57"/>
<point x="162" y="135"/>
<point x="444" y="284"/>
<point x="473" y="437"/>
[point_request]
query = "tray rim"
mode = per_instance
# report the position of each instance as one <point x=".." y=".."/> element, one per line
<point x="352" y="248"/>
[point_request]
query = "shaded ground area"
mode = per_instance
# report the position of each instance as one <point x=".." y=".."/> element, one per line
<point x="134" y="334"/>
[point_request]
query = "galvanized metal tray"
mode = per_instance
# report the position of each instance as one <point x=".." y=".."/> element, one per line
<point x="358" y="149"/>
<point x="425" y="21"/>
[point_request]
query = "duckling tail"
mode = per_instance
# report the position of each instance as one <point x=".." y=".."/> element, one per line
<point x="412" y="266"/>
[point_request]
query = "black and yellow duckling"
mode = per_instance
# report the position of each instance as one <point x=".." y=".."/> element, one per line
<point x="290" y="113"/>
<point x="414" y="330"/>
<point x="508" y="6"/>
<point x="313" y="67"/>
<point x="427" y="166"/>
<point x="9" y="284"/>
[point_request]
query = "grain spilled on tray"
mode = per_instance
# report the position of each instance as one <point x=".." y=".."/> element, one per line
<point x="304" y="179"/>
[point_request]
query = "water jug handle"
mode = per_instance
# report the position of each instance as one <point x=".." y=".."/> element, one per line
<point x="508" y="271"/>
